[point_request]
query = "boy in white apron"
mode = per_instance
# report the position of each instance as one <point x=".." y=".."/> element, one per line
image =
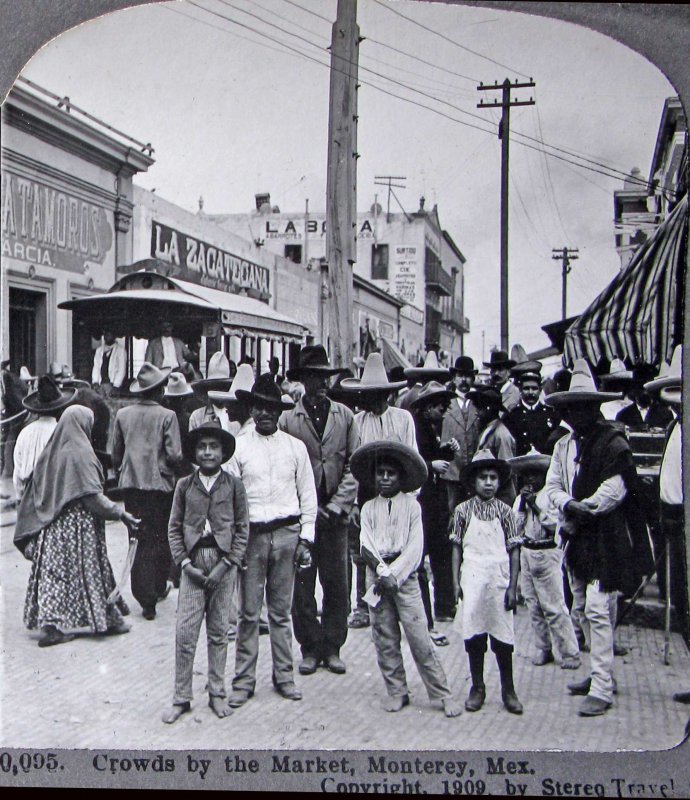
<point x="392" y="544"/>
<point x="541" y="563"/>
<point x="486" y="561"/>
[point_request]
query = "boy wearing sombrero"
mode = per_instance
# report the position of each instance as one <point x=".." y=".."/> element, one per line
<point x="208" y="530"/>
<point x="541" y="563"/>
<point x="486" y="560"/>
<point x="392" y="544"/>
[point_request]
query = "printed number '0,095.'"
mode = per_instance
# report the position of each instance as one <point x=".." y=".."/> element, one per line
<point x="464" y="787"/>
<point x="26" y="762"/>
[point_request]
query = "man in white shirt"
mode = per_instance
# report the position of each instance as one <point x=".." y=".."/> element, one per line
<point x="588" y="479"/>
<point x="109" y="364"/>
<point x="167" y="350"/>
<point x="281" y="495"/>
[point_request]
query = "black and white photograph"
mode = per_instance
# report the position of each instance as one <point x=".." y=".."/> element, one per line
<point x="342" y="370"/>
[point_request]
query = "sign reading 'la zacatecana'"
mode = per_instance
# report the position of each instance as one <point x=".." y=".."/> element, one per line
<point x="205" y="263"/>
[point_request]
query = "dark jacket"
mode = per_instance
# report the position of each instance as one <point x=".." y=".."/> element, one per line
<point x="659" y="416"/>
<point x="532" y="428"/>
<point x="464" y="426"/>
<point x="433" y="491"/>
<point x="225" y="507"/>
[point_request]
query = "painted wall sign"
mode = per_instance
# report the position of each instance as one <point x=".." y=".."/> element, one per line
<point x="404" y="277"/>
<point x="45" y="226"/>
<point x="206" y="264"/>
<point x="293" y="229"/>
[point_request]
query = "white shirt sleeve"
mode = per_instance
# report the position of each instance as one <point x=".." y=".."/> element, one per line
<point x="306" y="491"/>
<point x="608" y="496"/>
<point x="559" y="494"/>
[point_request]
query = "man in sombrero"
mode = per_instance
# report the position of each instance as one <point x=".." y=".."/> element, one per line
<point x="329" y="431"/>
<point x="592" y="482"/>
<point x="146" y="451"/>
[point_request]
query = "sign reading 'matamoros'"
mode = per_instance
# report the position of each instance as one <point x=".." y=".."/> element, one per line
<point x="205" y="263"/>
<point x="48" y="227"/>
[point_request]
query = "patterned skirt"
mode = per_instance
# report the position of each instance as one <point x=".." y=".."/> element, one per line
<point x="71" y="576"/>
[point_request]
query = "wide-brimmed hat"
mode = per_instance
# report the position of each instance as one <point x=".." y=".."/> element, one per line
<point x="482" y="395"/>
<point x="499" y="358"/>
<point x="374" y="378"/>
<point x="464" y="365"/>
<point x="264" y="391"/>
<point x="431" y="392"/>
<point x="531" y="460"/>
<point x="312" y="358"/>
<point x="672" y="396"/>
<point x="227" y="440"/>
<point x="148" y="378"/>
<point x="669" y="377"/>
<point x="243" y="380"/>
<point x="413" y="470"/>
<point x="25" y="375"/>
<point x="48" y="396"/>
<point x="430" y="371"/>
<point x="64" y="377"/>
<point x="485" y="459"/>
<point x="618" y="374"/>
<point x="217" y="374"/>
<point x="582" y="389"/>
<point x="177" y="386"/>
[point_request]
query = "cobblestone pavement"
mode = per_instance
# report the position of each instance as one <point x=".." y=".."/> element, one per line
<point x="110" y="692"/>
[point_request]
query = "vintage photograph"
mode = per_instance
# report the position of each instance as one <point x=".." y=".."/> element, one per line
<point x="341" y="385"/>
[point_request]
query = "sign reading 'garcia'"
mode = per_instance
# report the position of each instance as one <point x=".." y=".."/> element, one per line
<point x="205" y="263"/>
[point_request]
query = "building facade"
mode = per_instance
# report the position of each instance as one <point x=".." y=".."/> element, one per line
<point x="67" y="206"/>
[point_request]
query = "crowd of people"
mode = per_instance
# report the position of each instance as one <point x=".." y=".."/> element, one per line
<point x="244" y="490"/>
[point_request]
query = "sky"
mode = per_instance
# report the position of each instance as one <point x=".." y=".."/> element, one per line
<point x="231" y="111"/>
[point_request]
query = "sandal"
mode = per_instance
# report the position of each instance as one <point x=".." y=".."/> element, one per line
<point x="439" y="639"/>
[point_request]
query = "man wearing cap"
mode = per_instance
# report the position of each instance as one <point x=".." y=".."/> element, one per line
<point x="377" y="421"/>
<point x="592" y="482"/>
<point x="281" y="496"/>
<point x="146" y="450"/>
<point x="531" y="423"/>
<point x="499" y="369"/>
<point x="166" y="350"/>
<point x="329" y="431"/>
<point x="109" y="364"/>
<point x="47" y="402"/>
<point x="460" y="422"/>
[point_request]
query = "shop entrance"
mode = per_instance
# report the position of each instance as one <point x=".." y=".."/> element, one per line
<point x="28" y="330"/>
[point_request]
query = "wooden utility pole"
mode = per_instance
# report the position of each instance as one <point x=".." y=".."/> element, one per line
<point x="504" y="135"/>
<point x="341" y="186"/>
<point x="565" y="256"/>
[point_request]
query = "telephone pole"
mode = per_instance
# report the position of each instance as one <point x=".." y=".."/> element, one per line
<point x="504" y="135"/>
<point x="565" y="256"/>
<point x="341" y="184"/>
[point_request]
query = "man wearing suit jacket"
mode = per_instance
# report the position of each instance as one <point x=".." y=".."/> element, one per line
<point x="167" y="350"/>
<point x="644" y="413"/>
<point x="329" y="431"/>
<point x="461" y="422"/>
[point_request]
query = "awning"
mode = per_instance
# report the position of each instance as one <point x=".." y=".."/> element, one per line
<point x="392" y="357"/>
<point x="639" y="314"/>
<point x="135" y="305"/>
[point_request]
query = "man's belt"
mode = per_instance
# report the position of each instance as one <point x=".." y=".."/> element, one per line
<point x="274" y="524"/>
<point x="545" y="544"/>
<point x="389" y="559"/>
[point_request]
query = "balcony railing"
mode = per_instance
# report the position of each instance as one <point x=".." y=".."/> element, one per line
<point x="437" y="279"/>
<point x="453" y="316"/>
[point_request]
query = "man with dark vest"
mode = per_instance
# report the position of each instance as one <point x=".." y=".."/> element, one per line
<point x="531" y="422"/>
<point x="593" y="483"/>
<point x="329" y="431"/>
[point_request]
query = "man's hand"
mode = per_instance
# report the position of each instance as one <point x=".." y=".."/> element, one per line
<point x="303" y="555"/>
<point x="30" y="550"/>
<point x="510" y="599"/>
<point x="453" y="444"/>
<point x="215" y="576"/>
<point x="457" y="591"/>
<point x="579" y="510"/>
<point x="439" y="466"/>
<point x="385" y="584"/>
<point x="130" y="521"/>
<point x="527" y="493"/>
<point x="354" y="517"/>
<point x="195" y="575"/>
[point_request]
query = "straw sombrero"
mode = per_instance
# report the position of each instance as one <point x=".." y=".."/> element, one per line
<point x="374" y="378"/>
<point x="582" y="388"/>
<point x="431" y="371"/>
<point x="618" y="373"/>
<point x="217" y="374"/>
<point x="484" y="459"/>
<point x="412" y="466"/>
<point x="243" y="380"/>
<point x="669" y="377"/>
<point x="531" y="460"/>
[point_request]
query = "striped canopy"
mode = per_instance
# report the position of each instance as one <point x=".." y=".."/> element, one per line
<point x="639" y="316"/>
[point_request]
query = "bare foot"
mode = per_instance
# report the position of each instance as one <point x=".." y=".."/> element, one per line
<point x="175" y="712"/>
<point x="396" y="703"/>
<point x="219" y="706"/>
<point x="451" y="707"/>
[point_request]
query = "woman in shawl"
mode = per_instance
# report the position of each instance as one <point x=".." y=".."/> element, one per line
<point x="60" y="528"/>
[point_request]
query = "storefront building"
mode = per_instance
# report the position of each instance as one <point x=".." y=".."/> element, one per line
<point x="66" y="223"/>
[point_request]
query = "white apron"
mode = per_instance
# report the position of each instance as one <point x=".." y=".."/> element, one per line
<point x="484" y="579"/>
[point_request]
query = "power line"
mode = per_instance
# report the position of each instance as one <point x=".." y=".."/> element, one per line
<point x="448" y="39"/>
<point x="309" y="11"/>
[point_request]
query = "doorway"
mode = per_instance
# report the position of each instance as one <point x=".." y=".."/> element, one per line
<point x="28" y="330"/>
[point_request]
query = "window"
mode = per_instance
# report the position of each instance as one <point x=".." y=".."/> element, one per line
<point x="293" y="252"/>
<point x="379" y="262"/>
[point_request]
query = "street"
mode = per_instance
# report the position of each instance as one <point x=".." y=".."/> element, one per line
<point x="111" y="692"/>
